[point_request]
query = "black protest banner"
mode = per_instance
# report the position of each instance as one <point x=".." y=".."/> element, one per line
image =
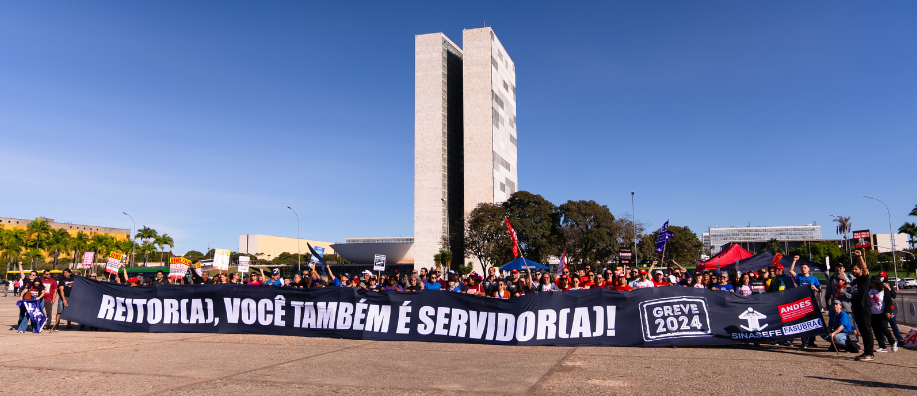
<point x="662" y="316"/>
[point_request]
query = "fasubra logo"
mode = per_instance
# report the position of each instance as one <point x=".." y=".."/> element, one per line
<point x="796" y="310"/>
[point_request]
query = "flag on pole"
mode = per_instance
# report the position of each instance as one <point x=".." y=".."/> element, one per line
<point x="664" y="235"/>
<point x="512" y="234"/>
<point x="563" y="262"/>
<point x="828" y="262"/>
<point x="35" y="312"/>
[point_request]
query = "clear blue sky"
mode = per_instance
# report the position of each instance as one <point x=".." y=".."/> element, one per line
<point x="205" y="120"/>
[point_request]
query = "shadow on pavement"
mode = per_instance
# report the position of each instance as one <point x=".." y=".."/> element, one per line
<point x="871" y="384"/>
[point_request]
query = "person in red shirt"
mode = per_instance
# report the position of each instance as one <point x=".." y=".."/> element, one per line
<point x="563" y="283"/>
<point x="622" y="285"/>
<point x="659" y="279"/>
<point x="50" y="292"/>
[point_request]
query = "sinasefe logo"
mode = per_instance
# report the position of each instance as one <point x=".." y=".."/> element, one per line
<point x="796" y="310"/>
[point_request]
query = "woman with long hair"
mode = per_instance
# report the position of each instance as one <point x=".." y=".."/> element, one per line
<point x="34" y="290"/>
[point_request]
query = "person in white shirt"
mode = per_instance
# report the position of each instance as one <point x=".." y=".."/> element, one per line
<point x="643" y="281"/>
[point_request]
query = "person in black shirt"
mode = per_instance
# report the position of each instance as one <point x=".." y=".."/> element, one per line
<point x="63" y="288"/>
<point x="862" y="313"/>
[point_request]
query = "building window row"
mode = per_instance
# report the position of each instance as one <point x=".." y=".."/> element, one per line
<point x="498" y="160"/>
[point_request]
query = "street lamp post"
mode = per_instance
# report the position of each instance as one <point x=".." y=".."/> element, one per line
<point x="298" y="254"/>
<point x="130" y="238"/>
<point x="891" y="234"/>
<point x="633" y="219"/>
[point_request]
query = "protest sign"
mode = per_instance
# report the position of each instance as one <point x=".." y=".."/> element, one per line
<point x="88" y="257"/>
<point x="244" y="262"/>
<point x="178" y="267"/>
<point x="221" y="259"/>
<point x="663" y="316"/>
<point x="379" y="262"/>
<point x="862" y="239"/>
<point x="114" y="263"/>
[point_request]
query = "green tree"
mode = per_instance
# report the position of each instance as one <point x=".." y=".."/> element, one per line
<point x="822" y="249"/>
<point x="773" y="245"/>
<point x="146" y="248"/>
<point x="12" y="244"/>
<point x="37" y="230"/>
<point x="843" y="227"/>
<point x="146" y="234"/>
<point x="536" y="223"/>
<point x="79" y="243"/>
<point x="193" y="255"/>
<point x="911" y="230"/>
<point x="445" y="258"/>
<point x="162" y="241"/>
<point x="589" y="232"/>
<point x="58" y="242"/>
<point x="486" y="237"/>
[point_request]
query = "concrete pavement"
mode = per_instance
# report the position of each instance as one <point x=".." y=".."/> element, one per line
<point x="102" y="362"/>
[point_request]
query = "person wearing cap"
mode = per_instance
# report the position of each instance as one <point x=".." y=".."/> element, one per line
<point x="862" y="309"/>
<point x="841" y="328"/>
<point x="781" y="281"/>
<point x="880" y="306"/>
<point x="643" y="281"/>
<point x="275" y="278"/>
<point x="659" y="279"/>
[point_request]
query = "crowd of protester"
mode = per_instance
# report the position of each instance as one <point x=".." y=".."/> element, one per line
<point x="859" y="306"/>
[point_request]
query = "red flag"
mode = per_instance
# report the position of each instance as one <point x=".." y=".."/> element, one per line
<point x="512" y="234"/>
<point x="563" y="263"/>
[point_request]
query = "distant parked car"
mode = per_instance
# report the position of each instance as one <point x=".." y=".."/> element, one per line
<point x="907" y="283"/>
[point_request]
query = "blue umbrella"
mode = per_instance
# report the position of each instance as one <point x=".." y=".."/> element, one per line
<point x="522" y="264"/>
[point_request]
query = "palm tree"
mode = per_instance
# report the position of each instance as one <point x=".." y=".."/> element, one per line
<point x="913" y="211"/>
<point x="101" y="245"/>
<point x="145" y="234"/>
<point x="79" y="244"/>
<point x="10" y="248"/>
<point x="37" y="229"/>
<point x="58" y="241"/>
<point x="146" y="249"/>
<point x="911" y="230"/>
<point x="32" y="254"/>
<point x="163" y="241"/>
<point x="843" y="227"/>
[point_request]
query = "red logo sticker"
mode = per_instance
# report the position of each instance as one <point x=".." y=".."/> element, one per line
<point x="796" y="310"/>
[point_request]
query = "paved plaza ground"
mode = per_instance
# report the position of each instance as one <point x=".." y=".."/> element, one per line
<point x="102" y="362"/>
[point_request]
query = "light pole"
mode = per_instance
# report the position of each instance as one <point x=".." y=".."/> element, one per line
<point x="891" y="234"/>
<point x="298" y="255"/>
<point x="130" y="238"/>
<point x="633" y="219"/>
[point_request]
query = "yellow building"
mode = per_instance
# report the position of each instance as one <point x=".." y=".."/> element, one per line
<point x="120" y="234"/>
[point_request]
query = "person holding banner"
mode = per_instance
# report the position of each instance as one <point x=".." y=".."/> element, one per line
<point x="161" y="278"/>
<point x="64" y="287"/>
<point x="34" y="291"/>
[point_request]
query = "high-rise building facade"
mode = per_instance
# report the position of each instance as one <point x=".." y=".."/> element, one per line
<point x="490" y="119"/>
<point x="464" y="135"/>
<point x="438" y="140"/>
